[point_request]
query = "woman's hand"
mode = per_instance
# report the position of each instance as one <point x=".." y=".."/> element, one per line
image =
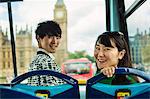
<point x="108" y="71"/>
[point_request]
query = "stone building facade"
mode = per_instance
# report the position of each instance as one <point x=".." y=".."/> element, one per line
<point x="24" y="53"/>
<point x="25" y="50"/>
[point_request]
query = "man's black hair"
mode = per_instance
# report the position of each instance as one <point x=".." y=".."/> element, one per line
<point x="50" y="28"/>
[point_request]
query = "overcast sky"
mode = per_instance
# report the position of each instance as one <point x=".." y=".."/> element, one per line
<point x="86" y="19"/>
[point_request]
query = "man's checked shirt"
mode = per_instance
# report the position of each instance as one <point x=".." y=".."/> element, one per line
<point x="44" y="61"/>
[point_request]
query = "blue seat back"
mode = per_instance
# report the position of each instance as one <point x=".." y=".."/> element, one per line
<point x="7" y="92"/>
<point x="68" y="90"/>
<point x="94" y="89"/>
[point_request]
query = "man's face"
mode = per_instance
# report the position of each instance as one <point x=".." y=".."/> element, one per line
<point x="49" y="43"/>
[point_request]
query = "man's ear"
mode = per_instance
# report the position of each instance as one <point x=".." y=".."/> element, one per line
<point x="121" y="54"/>
<point x="37" y="38"/>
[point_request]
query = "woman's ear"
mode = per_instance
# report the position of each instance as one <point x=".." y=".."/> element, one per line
<point x="121" y="54"/>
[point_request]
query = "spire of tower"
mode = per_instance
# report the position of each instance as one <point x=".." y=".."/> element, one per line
<point x="145" y="32"/>
<point x="31" y="29"/>
<point x="138" y="31"/>
<point x="26" y="27"/>
<point x="16" y="29"/>
<point x="6" y="31"/>
<point x="0" y="28"/>
<point x="60" y="2"/>
<point x="21" y="28"/>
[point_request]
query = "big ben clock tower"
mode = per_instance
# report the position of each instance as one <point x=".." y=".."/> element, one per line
<point x="60" y="15"/>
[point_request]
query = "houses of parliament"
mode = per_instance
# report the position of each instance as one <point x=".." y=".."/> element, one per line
<point x="25" y="50"/>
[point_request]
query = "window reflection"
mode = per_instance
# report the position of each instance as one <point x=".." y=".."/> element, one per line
<point x="77" y="68"/>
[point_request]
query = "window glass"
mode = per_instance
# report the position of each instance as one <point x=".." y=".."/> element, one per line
<point x="139" y="35"/>
<point x="77" y="68"/>
<point x="81" y="22"/>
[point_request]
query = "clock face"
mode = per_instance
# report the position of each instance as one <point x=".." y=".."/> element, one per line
<point x="59" y="14"/>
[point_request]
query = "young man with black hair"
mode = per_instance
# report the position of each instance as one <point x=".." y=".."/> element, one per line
<point x="48" y="35"/>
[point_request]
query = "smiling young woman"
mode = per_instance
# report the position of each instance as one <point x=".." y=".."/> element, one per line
<point x="111" y="51"/>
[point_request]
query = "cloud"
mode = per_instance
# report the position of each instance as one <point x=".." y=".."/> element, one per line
<point x="86" y="19"/>
<point x="78" y="9"/>
<point x="4" y="24"/>
<point x="85" y="29"/>
<point x="2" y="10"/>
<point x="3" y="17"/>
<point x="31" y="12"/>
<point x="139" y="19"/>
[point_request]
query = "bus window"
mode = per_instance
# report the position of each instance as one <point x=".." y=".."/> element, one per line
<point x="79" y="19"/>
<point x="139" y="34"/>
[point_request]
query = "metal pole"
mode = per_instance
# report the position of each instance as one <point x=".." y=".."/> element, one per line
<point x="112" y="15"/>
<point x="12" y="38"/>
<point x="133" y="7"/>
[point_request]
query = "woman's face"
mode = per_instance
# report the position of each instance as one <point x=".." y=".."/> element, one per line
<point x="107" y="56"/>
